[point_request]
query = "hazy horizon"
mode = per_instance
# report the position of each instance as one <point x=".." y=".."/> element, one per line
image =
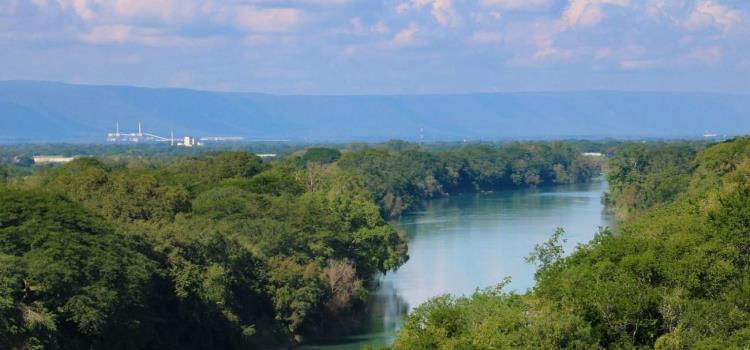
<point x="58" y="112"/>
<point x="603" y="90"/>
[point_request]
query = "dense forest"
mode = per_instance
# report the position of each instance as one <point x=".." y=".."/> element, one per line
<point x="400" y="175"/>
<point x="216" y="251"/>
<point x="220" y="249"/>
<point x="674" y="274"/>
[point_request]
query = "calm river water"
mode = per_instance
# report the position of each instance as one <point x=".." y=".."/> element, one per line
<point x="463" y="242"/>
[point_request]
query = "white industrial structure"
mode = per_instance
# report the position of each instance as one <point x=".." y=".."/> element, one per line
<point x="137" y="137"/>
<point x="144" y="137"/>
<point x="52" y="159"/>
<point x="222" y="139"/>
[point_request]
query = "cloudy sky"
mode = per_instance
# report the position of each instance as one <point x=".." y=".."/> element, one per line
<point x="381" y="46"/>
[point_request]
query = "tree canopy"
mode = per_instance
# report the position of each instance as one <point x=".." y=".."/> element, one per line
<point x="674" y="276"/>
<point x="220" y="249"/>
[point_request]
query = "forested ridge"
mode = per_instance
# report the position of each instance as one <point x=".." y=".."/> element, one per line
<point x="222" y="249"/>
<point x="674" y="274"/>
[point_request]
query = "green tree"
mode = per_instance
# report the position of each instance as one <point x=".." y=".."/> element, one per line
<point x="68" y="279"/>
<point x="236" y="165"/>
<point x="320" y="155"/>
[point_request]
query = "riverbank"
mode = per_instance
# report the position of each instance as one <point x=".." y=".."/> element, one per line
<point x="473" y="241"/>
<point x="673" y="276"/>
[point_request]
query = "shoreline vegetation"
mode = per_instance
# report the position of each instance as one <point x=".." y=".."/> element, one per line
<point x="674" y="274"/>
<point x="223" y="249"/>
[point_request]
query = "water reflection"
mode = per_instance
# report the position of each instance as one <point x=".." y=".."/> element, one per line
<point x="386" y="311"/>
<point x="460" y="243"/>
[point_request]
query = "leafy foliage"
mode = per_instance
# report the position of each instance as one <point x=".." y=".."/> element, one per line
<point x="490" y="319"/>
<point x="220" y="249"/>
<point x="400" y="179"/>
<point x="320" y="155"/>
<point x="214" y="251"/>
<point x="675" y="276"/>
<point x="641" y="177"/>
<point x="67" y="279"/>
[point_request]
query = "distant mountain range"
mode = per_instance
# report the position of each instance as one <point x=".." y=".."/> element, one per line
<point x="32" y="111"/>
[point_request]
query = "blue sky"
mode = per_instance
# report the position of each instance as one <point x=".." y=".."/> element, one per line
<point x="381" y="47"/>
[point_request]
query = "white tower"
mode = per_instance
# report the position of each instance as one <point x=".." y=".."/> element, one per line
<point x="140" y="131"/>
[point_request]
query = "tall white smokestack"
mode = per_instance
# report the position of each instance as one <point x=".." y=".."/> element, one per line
<point x="117" y="132"/>
<point x="140" y="131"/>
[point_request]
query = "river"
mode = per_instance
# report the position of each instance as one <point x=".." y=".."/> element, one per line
<point x="467" y="241"/>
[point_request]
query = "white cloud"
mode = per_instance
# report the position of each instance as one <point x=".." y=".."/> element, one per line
<point x="163" y="22"/>
<point x="548" y="51"/>
<point x="485" y="17"/>
<point x="532" y="40"/>
<point x="525" y="32"/>
<point x="403" y="7"/>
<point x="518" y="5"/>
<point x="81" y="7"/>
<point x="124" y="34"/>
<point x="248" y="15"/>
<point x="665" y="9"/>
<point x="586" y="13"/>
<point x="108" y="35"/>
<point x="266" y="20"/>
<point x="406" y="36"/>
<point x="547" y="42"/>
<point x="166" y="10"/>
<point x="582" y="13"/>
<point x="442" y="10"/>
<point x="119" y="10"/>
<point x="326" y="2"/>
<point x="358" y="28"/>
<point x="712" y="14"/>
<point x="146" y="8"/>
<point x="379" y="27"/>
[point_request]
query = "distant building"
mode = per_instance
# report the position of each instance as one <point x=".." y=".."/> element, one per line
<point x="52" y="159"/>
<point x="593" y="154"/>
<point x="188" y="141"/>
<point x="266" y="155"/>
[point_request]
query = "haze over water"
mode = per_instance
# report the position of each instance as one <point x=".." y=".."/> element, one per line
<point x="460" y="243"/>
